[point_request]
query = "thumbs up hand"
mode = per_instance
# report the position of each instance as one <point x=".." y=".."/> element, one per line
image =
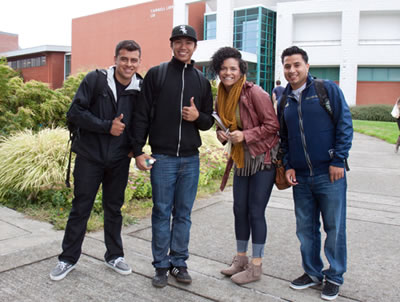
<point x="117" y="126"/>
<point x="190" y="113"/>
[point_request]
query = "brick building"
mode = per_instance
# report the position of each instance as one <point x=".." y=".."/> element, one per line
<point x="47" y="63"/>
<point x="94" y="37"/>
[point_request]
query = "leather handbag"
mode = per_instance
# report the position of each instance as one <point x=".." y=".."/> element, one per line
<point x="280" y="177"/>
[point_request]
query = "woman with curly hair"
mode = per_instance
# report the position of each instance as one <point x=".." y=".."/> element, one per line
<point x="246" y="112"/>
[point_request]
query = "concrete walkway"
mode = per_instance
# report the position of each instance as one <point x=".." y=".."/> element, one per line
<point x="29" y="249"/>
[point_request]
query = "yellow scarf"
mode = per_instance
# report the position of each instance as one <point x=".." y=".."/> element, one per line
<point x="227" y="104"/>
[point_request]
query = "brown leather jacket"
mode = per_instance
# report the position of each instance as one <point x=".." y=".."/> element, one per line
<point x="260" y="124"/>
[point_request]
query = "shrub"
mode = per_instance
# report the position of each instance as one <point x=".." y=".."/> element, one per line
<point x="32" y="163"/>
<point x="372" y="113"/>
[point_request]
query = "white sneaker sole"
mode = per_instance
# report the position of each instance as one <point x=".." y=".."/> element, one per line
<point x="297" y="287"/>
<point x="118" y="270"/>
<point x="62" y="276"/>
<point x="329" y="298"/>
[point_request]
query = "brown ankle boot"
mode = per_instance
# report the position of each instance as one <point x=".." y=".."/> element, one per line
<point x="397" y="145"/>
<point x="238" y="264"/>
<point x="250" y="274"/>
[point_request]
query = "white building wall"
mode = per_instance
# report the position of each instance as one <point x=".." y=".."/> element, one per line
<point x="335" y="33"/>
<point x="358" y="33"/>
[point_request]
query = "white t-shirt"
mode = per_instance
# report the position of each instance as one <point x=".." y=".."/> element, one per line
<point x="298" y="91"/>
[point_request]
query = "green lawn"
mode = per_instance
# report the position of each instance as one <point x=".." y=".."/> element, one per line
<point x="388" y="131"/>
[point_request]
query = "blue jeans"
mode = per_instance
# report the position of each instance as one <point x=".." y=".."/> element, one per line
<point x="250" y="198"/>
<point x="174" y="183"/>
<point x="313" y="196"/>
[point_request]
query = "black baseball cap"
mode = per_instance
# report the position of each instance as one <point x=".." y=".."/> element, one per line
<point x="183" y="31"/>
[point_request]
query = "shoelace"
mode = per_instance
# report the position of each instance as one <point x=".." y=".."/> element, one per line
<point x="62" y="265"/>
<point x="118" y="260"/>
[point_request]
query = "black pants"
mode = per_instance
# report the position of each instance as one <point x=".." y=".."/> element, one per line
<point x="88" y="176"/>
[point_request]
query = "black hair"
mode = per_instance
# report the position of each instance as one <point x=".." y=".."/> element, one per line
<point x="278" y="82"/>
<point x="294" y="50"/>
<point x="129" y="45"/>
<point x="225" y="53"/>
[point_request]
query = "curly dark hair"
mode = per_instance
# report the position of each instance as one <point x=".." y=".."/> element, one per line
<point x="225" y="53"/>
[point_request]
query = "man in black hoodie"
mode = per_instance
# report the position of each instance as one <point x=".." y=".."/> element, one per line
<point x="102" y="111"/>
<point x="171" y="112"/>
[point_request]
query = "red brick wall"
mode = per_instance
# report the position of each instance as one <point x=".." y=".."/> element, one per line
<point x="94" y="37"/>
<point x="52" y="73"/>
<point x="8" y="42"/>
<point x="377" y="93"/>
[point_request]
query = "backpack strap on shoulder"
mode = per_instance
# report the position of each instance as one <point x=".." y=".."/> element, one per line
<point x="323" y="97"/>
<point x="161" y="76"/>
<point x="101" y="81"/>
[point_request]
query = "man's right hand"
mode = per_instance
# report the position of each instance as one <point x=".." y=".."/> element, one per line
<point x="117" y="126"/>
<point x="291" y="177"/>
<point x="141" y="162"/>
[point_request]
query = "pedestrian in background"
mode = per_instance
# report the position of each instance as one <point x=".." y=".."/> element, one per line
<point x="396" y="115"/>
<point x="277" y="93"/>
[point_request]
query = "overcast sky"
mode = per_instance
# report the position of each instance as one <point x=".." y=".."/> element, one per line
<point x="48" y="22"/>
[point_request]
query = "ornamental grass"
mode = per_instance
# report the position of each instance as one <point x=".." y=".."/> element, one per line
<point x="32" y="162"/>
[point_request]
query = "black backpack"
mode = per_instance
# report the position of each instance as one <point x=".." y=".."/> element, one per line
<point x="323" y="101"/>
<point x="101" y="83"/>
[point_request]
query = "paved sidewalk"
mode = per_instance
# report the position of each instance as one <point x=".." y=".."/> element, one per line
<point x="29" y="249"/>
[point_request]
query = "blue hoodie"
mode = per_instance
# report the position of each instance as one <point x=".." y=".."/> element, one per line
<point x="310" y="140"/>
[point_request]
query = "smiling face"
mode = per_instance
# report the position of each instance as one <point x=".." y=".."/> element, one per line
<point x="183" y="49"/>
<point x="230" y="73"/>
<point x="295" y="70"/>
<point x="126" y="65"/>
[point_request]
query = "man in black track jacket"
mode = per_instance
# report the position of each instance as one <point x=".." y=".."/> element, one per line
<point x="102" y="112"/>
<point x="171" y="111"/>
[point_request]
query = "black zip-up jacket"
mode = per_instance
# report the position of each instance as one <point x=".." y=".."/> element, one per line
<point x="93" y="113"/>
<point x="168" y="132"/>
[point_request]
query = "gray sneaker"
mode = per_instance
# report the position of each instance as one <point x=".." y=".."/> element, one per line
<point x="61" y="270"/>
<point x="119" y="265"/>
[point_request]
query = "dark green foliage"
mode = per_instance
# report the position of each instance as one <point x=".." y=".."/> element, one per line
<point x="372" y="113"/>
<point x="32" y="105"/>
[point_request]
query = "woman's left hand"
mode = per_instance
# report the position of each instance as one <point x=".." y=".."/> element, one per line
<point x="236" y="137"/>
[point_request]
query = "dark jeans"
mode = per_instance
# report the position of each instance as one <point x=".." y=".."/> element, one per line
<point x="174" y="183"/>
<point x="250" y="198"/>
<point x="316" y="196"/>
<point x="88" y="176"/>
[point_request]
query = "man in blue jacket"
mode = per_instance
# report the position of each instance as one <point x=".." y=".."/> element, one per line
<point x="102" y="112"/>
<point x="316" y="146"/>
<point x="171" y="112"/>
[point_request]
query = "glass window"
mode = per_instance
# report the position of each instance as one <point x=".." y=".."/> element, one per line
<point x="42" y="60"/>
<point x="67" y="65"/>
<point x="211" y="27"/>
<point x="328" y="73"/>
<point x="379" y="74"/>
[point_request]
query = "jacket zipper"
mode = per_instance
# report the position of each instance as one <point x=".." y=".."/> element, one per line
<point x="180" y="123"/>
<point x="303" y="138"/>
